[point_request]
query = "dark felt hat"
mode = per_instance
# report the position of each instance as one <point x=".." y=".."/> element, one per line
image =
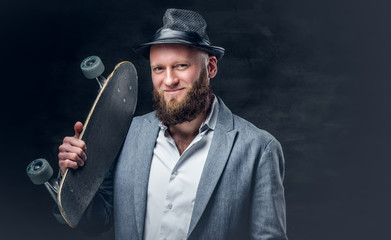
<point x="184" y="27"/>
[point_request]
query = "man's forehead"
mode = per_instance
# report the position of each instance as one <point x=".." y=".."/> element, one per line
<point x="177" y="49"/>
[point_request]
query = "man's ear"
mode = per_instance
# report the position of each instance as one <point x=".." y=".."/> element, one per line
<point x="212" y="66"/>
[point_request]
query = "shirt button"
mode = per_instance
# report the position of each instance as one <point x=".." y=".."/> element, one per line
<point x="169" y="206"/>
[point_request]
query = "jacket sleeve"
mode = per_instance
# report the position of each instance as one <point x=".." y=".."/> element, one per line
<point x="99" y="216"/>
<point x="268" y="220"/>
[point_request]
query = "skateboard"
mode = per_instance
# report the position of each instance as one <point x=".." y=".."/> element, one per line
<point x="104" y="132"/>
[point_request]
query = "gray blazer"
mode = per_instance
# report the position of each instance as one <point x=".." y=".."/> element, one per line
<point x="240" y="194"/>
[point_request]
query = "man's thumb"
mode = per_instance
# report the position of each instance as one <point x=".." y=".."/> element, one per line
<point x="78" y="129"/>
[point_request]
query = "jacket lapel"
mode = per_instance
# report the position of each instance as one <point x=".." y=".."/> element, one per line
<point x="146" y="144"/>
<point x="224" y="135"/>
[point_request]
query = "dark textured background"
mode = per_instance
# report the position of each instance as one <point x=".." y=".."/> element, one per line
<point x="314" y="73"/>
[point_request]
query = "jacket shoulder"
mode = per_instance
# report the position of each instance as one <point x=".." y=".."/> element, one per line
<point x="151" y="116"/>
<point x="137" y="122"/>
<point x="249" y="132"/>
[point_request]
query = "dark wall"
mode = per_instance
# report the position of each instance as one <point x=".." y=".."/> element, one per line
<point x="312" y="73"/>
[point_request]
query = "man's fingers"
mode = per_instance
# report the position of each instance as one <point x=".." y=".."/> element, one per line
<point x="71" y="156"/>
<point x="69" y="160"/>
<point x="71" y="141"/>
<point x="78" y="129"/>
<point x="72" y="150"/>
<point x="65" y="150"/>
<point x="67" y="164"/>
<point x="80" y="153"/>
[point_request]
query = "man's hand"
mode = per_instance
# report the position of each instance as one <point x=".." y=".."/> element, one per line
<point x="72" y="150"/>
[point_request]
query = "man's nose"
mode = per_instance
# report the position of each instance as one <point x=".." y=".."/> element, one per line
<point x="171" y="79"/>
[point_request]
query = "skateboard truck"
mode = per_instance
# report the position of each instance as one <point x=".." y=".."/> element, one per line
<point x="40" y="172"/>
<point x="92" y="67"/>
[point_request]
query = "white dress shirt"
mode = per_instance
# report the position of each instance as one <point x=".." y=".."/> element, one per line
<point x="173" y="181"/>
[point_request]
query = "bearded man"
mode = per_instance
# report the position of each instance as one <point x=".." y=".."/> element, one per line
<point x="191" y="169"/>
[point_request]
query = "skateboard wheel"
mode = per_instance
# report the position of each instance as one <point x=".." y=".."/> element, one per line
<point x="39" y="171"/>
<point x="92" y="67"/>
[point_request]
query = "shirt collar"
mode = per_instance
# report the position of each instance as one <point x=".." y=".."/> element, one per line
<point x="210" y="121"/>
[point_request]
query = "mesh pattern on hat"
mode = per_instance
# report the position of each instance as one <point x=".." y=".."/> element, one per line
<point x="185" y="20"/>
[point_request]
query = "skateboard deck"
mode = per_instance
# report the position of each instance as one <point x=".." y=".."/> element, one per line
<point x="104" y="133"/>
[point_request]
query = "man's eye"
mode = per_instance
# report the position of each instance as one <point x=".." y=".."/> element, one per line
<point x="157" y="69"/>
<point x="181" y="66"/>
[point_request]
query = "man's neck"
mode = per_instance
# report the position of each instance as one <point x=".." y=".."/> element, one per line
<point x="184" y="133"/>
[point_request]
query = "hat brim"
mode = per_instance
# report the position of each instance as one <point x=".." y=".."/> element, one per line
<point x="143" y="49"/>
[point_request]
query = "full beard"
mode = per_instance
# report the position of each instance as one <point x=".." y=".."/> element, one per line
<point x="196" y="101"/>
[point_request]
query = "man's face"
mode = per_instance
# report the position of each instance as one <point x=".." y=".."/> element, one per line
<point x="181" y="83"/>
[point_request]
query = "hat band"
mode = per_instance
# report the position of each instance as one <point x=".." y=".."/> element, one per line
<point x="191" y="37"/>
